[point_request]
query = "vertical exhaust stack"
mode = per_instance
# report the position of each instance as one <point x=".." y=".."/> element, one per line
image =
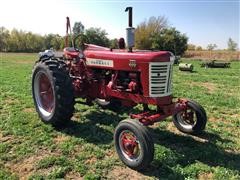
<point x="130" y="30"/>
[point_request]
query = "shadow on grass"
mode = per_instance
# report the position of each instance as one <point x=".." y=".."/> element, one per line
<point x="187" y="151"/>
<point x="98" y="128"/>
<point x="91" y="127"/>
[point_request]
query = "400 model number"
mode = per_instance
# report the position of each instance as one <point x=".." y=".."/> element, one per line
<point x="99" y="62"/>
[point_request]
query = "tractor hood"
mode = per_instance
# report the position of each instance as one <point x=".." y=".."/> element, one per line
<point x="143" y="56"/>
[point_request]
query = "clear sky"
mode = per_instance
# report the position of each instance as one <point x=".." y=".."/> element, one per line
<point x="204" y="21"/>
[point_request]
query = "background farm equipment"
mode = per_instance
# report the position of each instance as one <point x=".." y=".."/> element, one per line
<point x="216" y="64"/>
<point x="115" y="76"/>
<point x="185" y="67"/>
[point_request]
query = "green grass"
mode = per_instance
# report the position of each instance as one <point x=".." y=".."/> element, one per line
<point x="32" y="150"/>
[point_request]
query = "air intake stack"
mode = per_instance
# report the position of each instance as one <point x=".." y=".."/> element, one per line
<point x="130" y="30"/>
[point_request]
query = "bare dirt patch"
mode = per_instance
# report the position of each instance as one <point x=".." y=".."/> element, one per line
<point x="29" y="110"/>
<point x="8" y="138"/>
<point x="213" y="119"/>
<point x="91" y="160"/>
<point x="25" y="167"/>
<point x="235" y="116"/>
<point x="73" y="175"/>
<point x="60" y="138"/>
<point x="171" y="127"/>
<point x="211" y="87"/>
<point x="125" y="173"/>
<point x="11" y="101"/>
<point x="205" y="176"/>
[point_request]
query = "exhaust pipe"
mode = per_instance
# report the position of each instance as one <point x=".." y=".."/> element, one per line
<point x="130" y="31"/>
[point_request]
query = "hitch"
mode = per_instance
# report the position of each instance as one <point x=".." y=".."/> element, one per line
<point x="151" y="117"/>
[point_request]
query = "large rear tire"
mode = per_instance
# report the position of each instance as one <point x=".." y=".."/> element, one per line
<point x="52" y="91"/>
<point x="191" y="121"/>
<point x="134" y="144"/>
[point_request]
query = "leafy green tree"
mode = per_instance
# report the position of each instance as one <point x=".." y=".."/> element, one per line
<point x="155" y="33"/>
<point x="211" y="47"/>
<point x="34" y="42"/>
<point x="170" y="40"/>
<point x="97" y="36"/>
<point x="56" y="42"/>
<point x="4" y="35"/>
<point x="78" y="28"/>
<point x="114" y="43"/>
<point x="147" y="30"/>
<point x="78" y="35"/>
<point x="48" y="39"/>
<point x="15" y="43"/>
<point x="199" y="48"/>
<point x="232" y="46"/>
<point x="191" y="47"/>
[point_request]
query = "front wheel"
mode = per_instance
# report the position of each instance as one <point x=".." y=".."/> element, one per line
<point x="193" y="120"/>
<point x="133" y="144"/>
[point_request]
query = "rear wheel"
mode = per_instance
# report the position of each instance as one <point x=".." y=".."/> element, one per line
<point x="193" y="120"/>
<point x="52" y="92"/>
<point x="133" y="144"/>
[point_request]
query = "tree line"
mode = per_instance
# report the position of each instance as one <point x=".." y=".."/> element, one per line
<point x="231" y="46"/>
<point x="152" y="34"/>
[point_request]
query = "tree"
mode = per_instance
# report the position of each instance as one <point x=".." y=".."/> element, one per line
<point x="191" y="47"/>
<point x="78" y="34"/>
<point x="97" y="36"/>
<point x="56" y="41"/>
<point x="146" y="30"/>
<point x="34" y="42"/>
<point x="199" y="48"/>
<point x="4" y="35"/>
<point x="232" y="46"/>
<point x="211" y="47"/>
<point x="78" y="28"/>
<point x="170" y="40"/>
<point x="114" y="43"/>
<point x="48" y="41"/>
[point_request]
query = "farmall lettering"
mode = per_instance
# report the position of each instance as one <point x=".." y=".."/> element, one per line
<point x="99" y="62"/>
<point x="114" y="78"/>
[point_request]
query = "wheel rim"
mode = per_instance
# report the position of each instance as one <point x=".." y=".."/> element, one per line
<point x="44" y="94"/>
<point x="187" y="118"/>
<point x="129" y="145"/>
<point x="102" y="102"/>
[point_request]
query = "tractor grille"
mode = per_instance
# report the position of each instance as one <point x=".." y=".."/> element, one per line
<point x="160" y="76"/>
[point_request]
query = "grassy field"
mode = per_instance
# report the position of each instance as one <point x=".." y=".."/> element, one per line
<point x="30" y="149"/>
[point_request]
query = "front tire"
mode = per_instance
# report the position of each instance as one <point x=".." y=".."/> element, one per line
<point x="52" y="92"/>
<point x="134" y="144"/>
<point x="191" y="121"/>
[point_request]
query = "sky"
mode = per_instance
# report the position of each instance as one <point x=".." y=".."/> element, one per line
<point x="203" y="21"/>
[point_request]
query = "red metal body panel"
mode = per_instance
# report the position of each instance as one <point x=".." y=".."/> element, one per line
<point x="149" y="118"/>
<point x="122" y="59"/>
<point x="139" y="98"/>
<point x="97" y="57"/>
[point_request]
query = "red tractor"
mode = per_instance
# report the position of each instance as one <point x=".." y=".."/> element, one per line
<point x="123" y="77"/>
